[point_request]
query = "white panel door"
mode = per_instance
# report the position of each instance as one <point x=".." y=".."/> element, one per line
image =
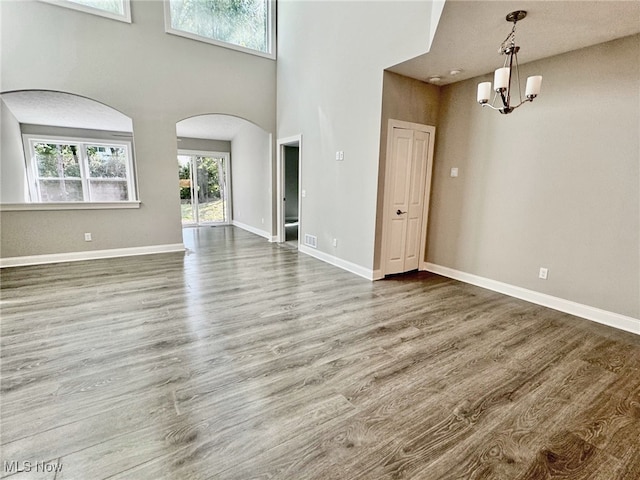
<point x="416" y="200"/>
<point x="405" y="188"/>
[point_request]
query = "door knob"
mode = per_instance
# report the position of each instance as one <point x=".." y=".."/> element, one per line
<point x="400" y="212"/>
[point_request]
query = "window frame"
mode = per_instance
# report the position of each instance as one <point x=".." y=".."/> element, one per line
<point x="29" y="140"/>
<point x="271" y="36"/>
<point x="70" y="4"/>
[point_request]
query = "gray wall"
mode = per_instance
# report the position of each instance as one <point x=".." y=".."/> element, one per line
<point x="554" y="184"/>
<point x="251" y="176"/>
<point x="156" y="79"/>
<point x="203" y="144"/>
<point x="408" y="100"/>
<point x="331" y="57"/>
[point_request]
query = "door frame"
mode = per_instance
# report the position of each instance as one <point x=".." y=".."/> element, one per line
<point x="293" y="141"/>
<point x="393" y="123"/>
<point x="227" y="184"/>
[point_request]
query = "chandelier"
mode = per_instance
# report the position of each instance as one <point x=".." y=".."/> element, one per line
<point x="502" y="80"/>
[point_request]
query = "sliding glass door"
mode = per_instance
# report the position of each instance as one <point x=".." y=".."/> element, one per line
<point x="204" y="187"/>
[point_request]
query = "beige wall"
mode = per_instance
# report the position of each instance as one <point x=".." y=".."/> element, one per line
<point x="156" y="79"/>
<point x="408" y="100"/>
<point x="554" y="184"/>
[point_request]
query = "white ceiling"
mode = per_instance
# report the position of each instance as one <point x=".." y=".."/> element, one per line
<point x="58" y="109"/>
<point x="470" y="32"/>
<point x="211" y="127"/>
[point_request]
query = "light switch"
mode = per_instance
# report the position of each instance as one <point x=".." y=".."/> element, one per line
<point x="340" y="155"/>
<point x="454" y="172"/>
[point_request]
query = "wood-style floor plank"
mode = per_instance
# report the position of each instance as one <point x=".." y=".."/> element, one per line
<point x="242" y="359"/>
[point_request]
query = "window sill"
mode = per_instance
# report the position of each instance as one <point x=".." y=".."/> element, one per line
<point x="17" y="207"/>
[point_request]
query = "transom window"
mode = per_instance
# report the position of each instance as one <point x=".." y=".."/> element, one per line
<point x="115" y="9"/>
<point x="246" y="25"/>
<point x="79" y="170"/>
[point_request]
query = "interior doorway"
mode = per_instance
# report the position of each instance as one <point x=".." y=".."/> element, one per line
<point x="289" y="192"/>
<point x="204" y="187"/>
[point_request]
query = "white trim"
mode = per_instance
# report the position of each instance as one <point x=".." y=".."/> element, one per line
<point x="598" y="315"/>
<point x="19" y="207"/>
<point x="125" y="17"/>
<point x="271" y="34"/>
<point x="89" y="255"/>
<point x="337" y="262"/>
<point x="250" y="229"/>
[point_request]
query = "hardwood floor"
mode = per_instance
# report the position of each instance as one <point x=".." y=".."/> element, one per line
<point x="247" y="360"/>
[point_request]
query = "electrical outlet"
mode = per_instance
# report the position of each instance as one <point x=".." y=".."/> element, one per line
<point x="87" y="237"/>
<point x="335" y="242"/>
<point x="454" y="172"/>
<point x="544" y="272"/>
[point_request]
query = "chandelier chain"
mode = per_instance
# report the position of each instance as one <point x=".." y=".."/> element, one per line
<point x="510" y="41"/>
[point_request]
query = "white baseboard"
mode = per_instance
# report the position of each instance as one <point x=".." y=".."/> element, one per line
<point x="337" y="262"/>
<point x="89" y="255"/>
<point x="253" y="230"/>
<point x="605" y="317"/>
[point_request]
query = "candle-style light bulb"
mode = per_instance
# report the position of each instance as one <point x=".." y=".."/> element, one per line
<point x="533" y="86"/>
<point x="501" y="79"/>
<point x="484" y="92"/>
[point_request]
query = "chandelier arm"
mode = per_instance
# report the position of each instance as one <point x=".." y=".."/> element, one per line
<point x="521" y="103"/>
<point x="490" y="106"/>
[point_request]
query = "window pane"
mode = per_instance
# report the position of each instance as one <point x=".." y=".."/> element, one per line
<point x="210" y="178"/>
<point x="113" y="6"/>
<point x="239" y="22"/>
<point x="61" y="190"/>
<point x="107" y="161"/>
<point x="186" y="199"/>
<point x="69" y="169"/>
<point x="57" y="160"/>
<point x="108" y="190"/>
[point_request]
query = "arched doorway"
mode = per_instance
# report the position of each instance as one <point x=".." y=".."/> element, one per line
<point x="224" y="168"/>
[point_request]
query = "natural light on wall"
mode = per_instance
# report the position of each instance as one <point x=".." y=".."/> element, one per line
<point x="245" y="25"/>
<point x="115" y="9"/>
